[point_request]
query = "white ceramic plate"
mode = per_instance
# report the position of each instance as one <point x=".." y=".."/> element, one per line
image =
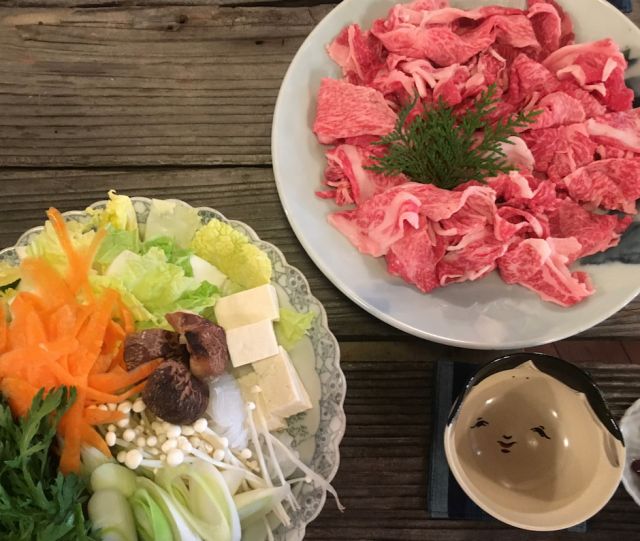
<point x="318" y="432"/>
<point x="487" y="314"/>
<point x="630" y="428"/>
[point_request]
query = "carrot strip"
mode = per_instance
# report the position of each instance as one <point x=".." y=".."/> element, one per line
<point x="54" y="291"/>
<point x="75" y="261"/>
<point x="72" y="437"/>
<point x="35" y="331"/>
<point x="102" y="364"/>
<point x="112" y="382"/>
<point x="90" y="436"/>
<point x="19" y="394"/>
<point x="92" y="336"/>
<point x="95" y="416"/>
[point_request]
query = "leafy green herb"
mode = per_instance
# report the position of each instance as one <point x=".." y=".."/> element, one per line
<point x="442" y="148"/>
<point x="36" y="501"/>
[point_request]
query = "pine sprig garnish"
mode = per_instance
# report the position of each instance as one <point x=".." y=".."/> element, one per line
<point x="442" y="148"/>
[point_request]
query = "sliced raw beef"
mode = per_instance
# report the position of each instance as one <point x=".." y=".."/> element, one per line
<point x="541" y="265"/>
<point x="578" y="159"/>
<point x="610" y="184"/>
<point x="560" y="151"/>
<point x="394" y="85"/>
<point x="617" y="130"/>
<point x="455" y="17"/>
<point x="518" y="154"/>
<point x="547" y="25"/>
<point x="512" y="221"/>
<point x="566" y="26"/>
<point x="414" y="257"/>
<point x="473" y="257"/>
<point x="438" y="204"/>
<point x="379" y="222"/>
<point x="597" y="67"/>
<point x="529" y="80"/>
<point x="595" y="232"/>
<point x="558" y="109"/>
<point x="524" y="192"/>
<point x="348" y="178"/>
<point x="358" y="53"/>
<point x="346" y="110"/>
<point x="441" y="45"/>
<point x="592" y="107"/>
<point x="511" y="186"/>
<point x="477" y="212"/>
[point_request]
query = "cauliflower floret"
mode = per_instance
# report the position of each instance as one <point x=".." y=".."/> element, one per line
<point x="232" y="253"/>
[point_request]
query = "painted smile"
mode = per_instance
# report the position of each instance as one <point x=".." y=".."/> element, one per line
<point x="506" y="447"/>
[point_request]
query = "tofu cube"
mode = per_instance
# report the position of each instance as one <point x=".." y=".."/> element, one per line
<point x="251" y="343"/>
<point x="247" y="383"/>
<point x="247" y="307"/>
<point x="282" y="388"/>
<point x="205" y="271"/>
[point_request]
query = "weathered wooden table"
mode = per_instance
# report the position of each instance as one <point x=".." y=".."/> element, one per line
<point x="174" y="99"/>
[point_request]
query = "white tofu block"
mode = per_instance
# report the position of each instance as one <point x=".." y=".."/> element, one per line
<point x="205" y="271"/>
<point x="282" y="388"/>
<point x="251" y="343"/>
<point x="247" y="307"/>
<point x="247" y="383"/>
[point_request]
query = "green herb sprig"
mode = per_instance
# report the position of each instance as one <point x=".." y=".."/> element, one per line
<point x="36" y="501"/>
<point x="446" y="149"/>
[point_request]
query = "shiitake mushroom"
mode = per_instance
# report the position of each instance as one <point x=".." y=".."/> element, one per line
<point x="142" y="347"/>
<point x="206" y="342"/>
<point x="174" y="394"/>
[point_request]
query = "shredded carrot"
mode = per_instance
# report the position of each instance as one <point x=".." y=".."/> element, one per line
<point x="112" y="381"/>
<point x="90" y="436"/>
<point x="52" y="288"/>
<point x="63" y="333"/>
<point x="95" y="416"/>
<point x="19" y="394"/>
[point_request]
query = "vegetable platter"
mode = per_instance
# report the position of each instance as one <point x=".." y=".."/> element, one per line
<point x="165" y="375"/>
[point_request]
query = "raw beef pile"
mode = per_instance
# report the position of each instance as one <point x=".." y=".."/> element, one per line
<point x="579" y="161"/>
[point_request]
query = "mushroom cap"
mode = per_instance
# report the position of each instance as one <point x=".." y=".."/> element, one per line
<point x="206" y="342"/>
<point x="142" y="347"/>
<point x="174" y="394"/>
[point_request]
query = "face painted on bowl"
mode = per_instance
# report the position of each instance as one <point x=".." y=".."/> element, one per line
<point x="522" y="429"/>
<point x="530" y="449"/>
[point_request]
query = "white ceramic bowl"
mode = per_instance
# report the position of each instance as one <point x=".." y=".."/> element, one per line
<point x="487" y="314"/>
<point x="532" y="442"/>
<point x="317" y="433"/>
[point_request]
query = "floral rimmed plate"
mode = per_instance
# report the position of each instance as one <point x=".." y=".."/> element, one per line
<point x="316" y="433"/>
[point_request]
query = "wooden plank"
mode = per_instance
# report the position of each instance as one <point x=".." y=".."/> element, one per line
<point x="383" y="473"/>
<point x="246" y="194"/>
<point x="171" y="85"/>
<point x="607" y="351"/>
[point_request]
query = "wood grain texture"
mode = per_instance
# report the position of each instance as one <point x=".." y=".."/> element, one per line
<point x="246" y="194"/>
<point x="383" y="475"/>
<point x="173" y="85"/>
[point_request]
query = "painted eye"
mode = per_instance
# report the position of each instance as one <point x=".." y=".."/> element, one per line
<point x="480" y="423"/>
<point x="540" y="431"/>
